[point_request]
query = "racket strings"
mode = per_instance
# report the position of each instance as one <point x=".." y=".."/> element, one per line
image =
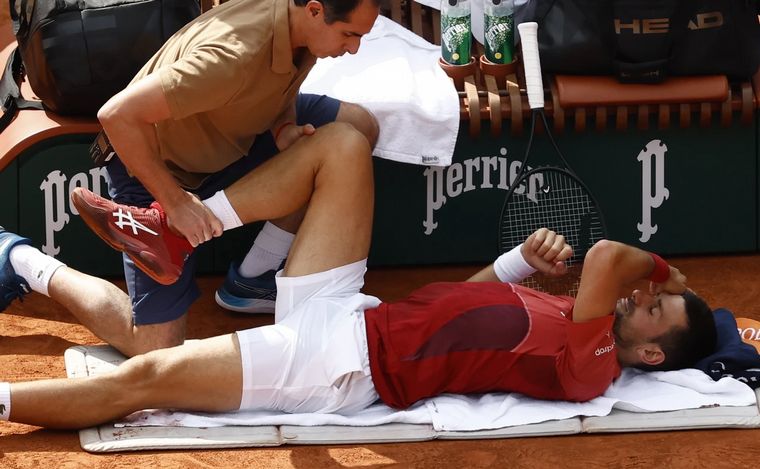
<point x="555" y="199"/>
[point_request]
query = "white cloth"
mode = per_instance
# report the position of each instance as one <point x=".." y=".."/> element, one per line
<point x="396" y="76"/>
<point x="634" y="390"/>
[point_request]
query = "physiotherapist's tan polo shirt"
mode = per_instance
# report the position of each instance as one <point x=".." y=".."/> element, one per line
<point x="227" y="76"/>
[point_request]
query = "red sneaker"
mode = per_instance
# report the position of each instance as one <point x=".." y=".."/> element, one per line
<point x="141" y="233"/>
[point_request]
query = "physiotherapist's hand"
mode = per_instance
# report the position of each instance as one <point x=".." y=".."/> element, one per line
<point x="675" y="284"/>
<point x="193" y="220"/>
<point x="290" y="133"/>
<point x="547" y="252"/>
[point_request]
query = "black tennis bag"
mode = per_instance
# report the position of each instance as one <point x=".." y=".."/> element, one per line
<point x="646" y="40"/>
<point x="79" y="53"/>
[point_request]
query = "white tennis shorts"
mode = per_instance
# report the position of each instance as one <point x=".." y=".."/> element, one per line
<point x="314" y="358"/>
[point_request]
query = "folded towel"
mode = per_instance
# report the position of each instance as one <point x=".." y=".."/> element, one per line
<point x="733" y="357"/>
<point x="396" y="76"/>
<point x="634" y="391"/>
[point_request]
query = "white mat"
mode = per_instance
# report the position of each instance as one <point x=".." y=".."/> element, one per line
<point x="84" y="361"/>
<point x="395" y="75"/>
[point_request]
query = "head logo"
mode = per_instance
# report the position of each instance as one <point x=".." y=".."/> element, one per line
<point x="709" y="20"/>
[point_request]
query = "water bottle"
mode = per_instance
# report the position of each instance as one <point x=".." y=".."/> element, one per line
<point x="498" y="30"/>
<point x="456" y="31"/>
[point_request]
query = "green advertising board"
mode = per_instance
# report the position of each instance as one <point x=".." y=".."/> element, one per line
<point x="674" y="191"/>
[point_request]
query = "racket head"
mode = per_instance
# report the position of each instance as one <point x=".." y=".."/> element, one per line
<point x="553" y="198"/>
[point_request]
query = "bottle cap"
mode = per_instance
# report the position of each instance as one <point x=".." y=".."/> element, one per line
<point x="453" y="3"/>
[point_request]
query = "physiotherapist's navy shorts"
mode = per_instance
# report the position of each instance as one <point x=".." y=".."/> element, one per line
<point x="153" y="303"/>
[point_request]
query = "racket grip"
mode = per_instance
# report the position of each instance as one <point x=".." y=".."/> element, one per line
<point x="532" y="64"/>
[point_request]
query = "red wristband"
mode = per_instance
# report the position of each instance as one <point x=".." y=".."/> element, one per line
<point x="279" y="129"/>
<point x="661" y="271"/>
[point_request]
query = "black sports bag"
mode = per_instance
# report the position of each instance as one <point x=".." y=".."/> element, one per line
<point x="646" y="40"/>
<point x="79" y="53"/>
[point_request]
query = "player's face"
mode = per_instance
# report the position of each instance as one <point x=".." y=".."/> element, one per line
<point x="642" y="317"/>
<point x="339" y="37"/>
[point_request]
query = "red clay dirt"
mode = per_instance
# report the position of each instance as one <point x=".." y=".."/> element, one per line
<point x="34" y="335"/>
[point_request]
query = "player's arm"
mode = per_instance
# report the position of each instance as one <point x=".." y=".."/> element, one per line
<point x="544" y="250"/>
<point x="129" y="119"/>
<point x="609" y="266"/>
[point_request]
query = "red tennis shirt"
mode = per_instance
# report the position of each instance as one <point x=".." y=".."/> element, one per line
<point x="485" y="337"/>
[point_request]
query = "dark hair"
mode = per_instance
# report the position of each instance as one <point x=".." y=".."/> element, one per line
<point x="338" y="10"/>
<point x="685" y="346"/>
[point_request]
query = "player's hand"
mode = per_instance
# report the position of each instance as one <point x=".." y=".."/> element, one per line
<point x="193" y="220"/>
<point x="547" y="252"/>
<point x="288" y="134"/>
<point x="675" y="284"/>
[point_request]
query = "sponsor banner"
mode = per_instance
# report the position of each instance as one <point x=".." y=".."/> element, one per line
<point x="675" y="191"/>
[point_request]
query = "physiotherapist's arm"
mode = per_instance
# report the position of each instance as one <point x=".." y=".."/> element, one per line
<point x="129" y="119"/>
<point x="285" y="130"/>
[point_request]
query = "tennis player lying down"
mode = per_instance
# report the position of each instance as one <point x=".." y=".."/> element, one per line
<point x="334" y="349"/>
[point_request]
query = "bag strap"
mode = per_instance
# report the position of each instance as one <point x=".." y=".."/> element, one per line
<point x="10" y="93"/>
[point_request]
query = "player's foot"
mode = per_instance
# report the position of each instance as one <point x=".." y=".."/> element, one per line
<point x="141" y="233"/>
<point x="12" y="286"/>
<point x="247" y="295"/>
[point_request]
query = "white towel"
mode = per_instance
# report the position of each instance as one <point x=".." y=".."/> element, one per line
<point x="396" y="76"/>
<point x="634" y="390"/>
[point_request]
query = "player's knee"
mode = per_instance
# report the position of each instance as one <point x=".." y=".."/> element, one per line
<point x="344" y="142"/>
<point x="363" y="120"/>
<point x="141" y="373"/>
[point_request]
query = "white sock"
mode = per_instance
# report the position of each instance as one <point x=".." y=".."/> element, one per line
<point x="511" y="266"/>
<point x="268" y="251"/>
<point x="221" y="207"/>
<point x="34" y="267"/>
<point x="5" y="401"/>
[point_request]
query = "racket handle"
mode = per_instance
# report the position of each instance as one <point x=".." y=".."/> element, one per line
<point x="532" y="64"/>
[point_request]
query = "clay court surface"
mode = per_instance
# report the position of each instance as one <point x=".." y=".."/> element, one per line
<point x="34" y="335"/>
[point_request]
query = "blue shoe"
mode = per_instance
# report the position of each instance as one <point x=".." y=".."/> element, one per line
<point x="247" y="295"/>
<point x="11" y="285"/>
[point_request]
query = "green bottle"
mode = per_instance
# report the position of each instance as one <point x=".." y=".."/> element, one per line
<point x="498" y="30"/>
<point x="456" y="31"/>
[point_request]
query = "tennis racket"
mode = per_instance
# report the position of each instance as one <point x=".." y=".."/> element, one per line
<point x="550" y="196"/>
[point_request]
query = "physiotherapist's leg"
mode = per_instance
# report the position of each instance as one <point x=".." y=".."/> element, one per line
<point x="98" y="305"/>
